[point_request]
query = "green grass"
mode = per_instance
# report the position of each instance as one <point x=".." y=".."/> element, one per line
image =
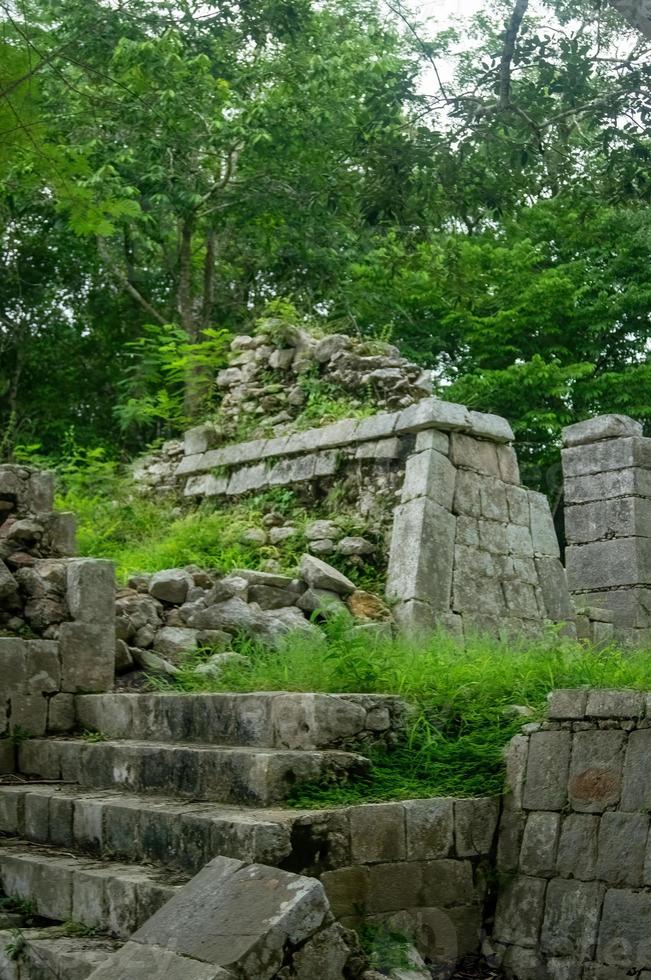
<point x="145" y="535"/>
<point x="461" y="698"/>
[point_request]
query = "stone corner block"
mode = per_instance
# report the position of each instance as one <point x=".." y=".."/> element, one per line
<point x="600" y="427"/>
<point x="90" y="591"/>
<point x="87" y="657"/>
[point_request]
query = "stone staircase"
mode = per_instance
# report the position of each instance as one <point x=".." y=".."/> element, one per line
<point x="100" y="829"/>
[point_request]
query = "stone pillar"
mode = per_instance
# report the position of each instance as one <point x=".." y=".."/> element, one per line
<point x="607" y="477"/>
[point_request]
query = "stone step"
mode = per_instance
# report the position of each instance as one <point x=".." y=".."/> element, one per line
<point x="266" y="719"/>
<point x="256" y="777"/>
<point x="48" y="954"/>
<point x="111" y="897"/>
<point x="153" y="830"/>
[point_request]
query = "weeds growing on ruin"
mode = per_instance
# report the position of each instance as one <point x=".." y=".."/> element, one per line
<point x="467" y="702"/>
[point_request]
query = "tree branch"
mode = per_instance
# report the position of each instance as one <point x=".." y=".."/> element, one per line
<point x="123" y="278"/>
<point x="508" y="50"/>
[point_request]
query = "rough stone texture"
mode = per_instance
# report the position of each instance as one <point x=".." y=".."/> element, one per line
<point x="590" y="860"/>
<point x="607" y="472"/>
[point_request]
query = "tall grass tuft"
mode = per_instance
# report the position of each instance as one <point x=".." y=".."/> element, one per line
<point x="467" y="702"/>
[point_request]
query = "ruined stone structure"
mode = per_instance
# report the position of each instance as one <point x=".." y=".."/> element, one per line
<point x="607" y="483"/>
<point x="573" y="842"/>
<point x="57" y="619"/>
<point x="469" y="546"/>
<point x="157" y="819"/>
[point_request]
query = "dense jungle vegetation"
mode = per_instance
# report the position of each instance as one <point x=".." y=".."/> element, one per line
<point x="478" y="194"/>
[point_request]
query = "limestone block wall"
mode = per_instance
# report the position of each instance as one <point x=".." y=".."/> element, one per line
<point x="57" y="616"/>
<point x="470" y="547"/>
<point x="607" y="480"/>
<point x="574" y="857"/>
<point x="418" y="867"/>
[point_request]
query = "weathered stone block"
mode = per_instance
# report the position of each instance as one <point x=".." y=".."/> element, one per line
<point x="90" y="590"/>
<point x="87" y="657"/>
<point x="377" y="833"/>
<point x="378" y="426"/>
<point x="394" y="886"/>
<point x="636" y="792"/>
<point x="607" y="564"/>
<point x="572" y="910"/>
<point x="620" y="517"/>
<point x="422" y="554"/>
<point x="432" y="439"/>
<point x="28" y="714"/>
<point x="347" y="889"/>
<point x="239" y="918"/>
<point x="467" y="500"/>
<point x="492" y="495"/>
<point x="446" y="883"/>
<point x="596" y="771"/>
<point x="624" y="935"/>
<point x="429" y="474"/>
<point x="521" y="599"/>
<point x="539" y="845"/>
<point x="519" y="911"/>
<point x="547" y="768"/>
<point x="475" y="823"/>
<point x="555" y="592"/>
<point x="430" y="828"/>
<point x="568" y="704"/>
<point x="134" y="961"/>
<point x="432" y="413"/>
<point x="543" y="532"/>
<point x="380" y="449"/>
<point x="600" y="427"/>
<point x="629" y="608"/>
<point x="493" y="427"/>
<point x="518" y="502"/>
<point x="577" y="847"/>
<point x="61" y="713"/>
<point x="615" y="704"/>
<point x="508" y="463"/>
<point x="621" y="848"/>
<point x="602" y="486"/>
<point x="42" y="667"/>
<point x="474" y="454"/>
<point x="616" y="454"/>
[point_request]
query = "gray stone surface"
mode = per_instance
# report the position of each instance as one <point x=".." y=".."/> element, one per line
<point x="554" y="587"/>
<point x="600" y="427"/>
<point x="572" y="910"/>
<point x="547" y="768"/>
<point x="519" y="911"/>
<point x="421" y="555"/>
<point x="604" y="703"/>
<point x="429" y="474"/>
<point x="543" y="532"/>
<point x="540" y="844"/>
<point x="475" y="823"/>
<point x="608" y="564"/>
<point x="319" y="575"/>
<point x="430" y="828"/>
<point x="567" y="703"/>
<point x="596" y="770"/>
<point x="171" y="585"/>
<point x="619" y="517"/>
<point x="239" y="918"/>
<point x="621" y="848"/>
<point x="615" y="454"/>
<point x="432" y="413"/>
<point x="87" y="657"/>
<point x="624" y="936"/>
<point x="636" y="792"/>
<point x="577" y="848"/>
<point x="602" y="486"/>
<point x="493" y="427"/>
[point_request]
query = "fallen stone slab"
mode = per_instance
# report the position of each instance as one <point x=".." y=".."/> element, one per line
<point x="239" y="921"/>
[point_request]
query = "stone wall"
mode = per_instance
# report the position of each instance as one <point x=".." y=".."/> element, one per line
<point x="418" y="867"/>
<point x="573" y="853"/>
<point x="470" y="547"/>
<point x="607" y="480"/>
<point x="57" y="619"/>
